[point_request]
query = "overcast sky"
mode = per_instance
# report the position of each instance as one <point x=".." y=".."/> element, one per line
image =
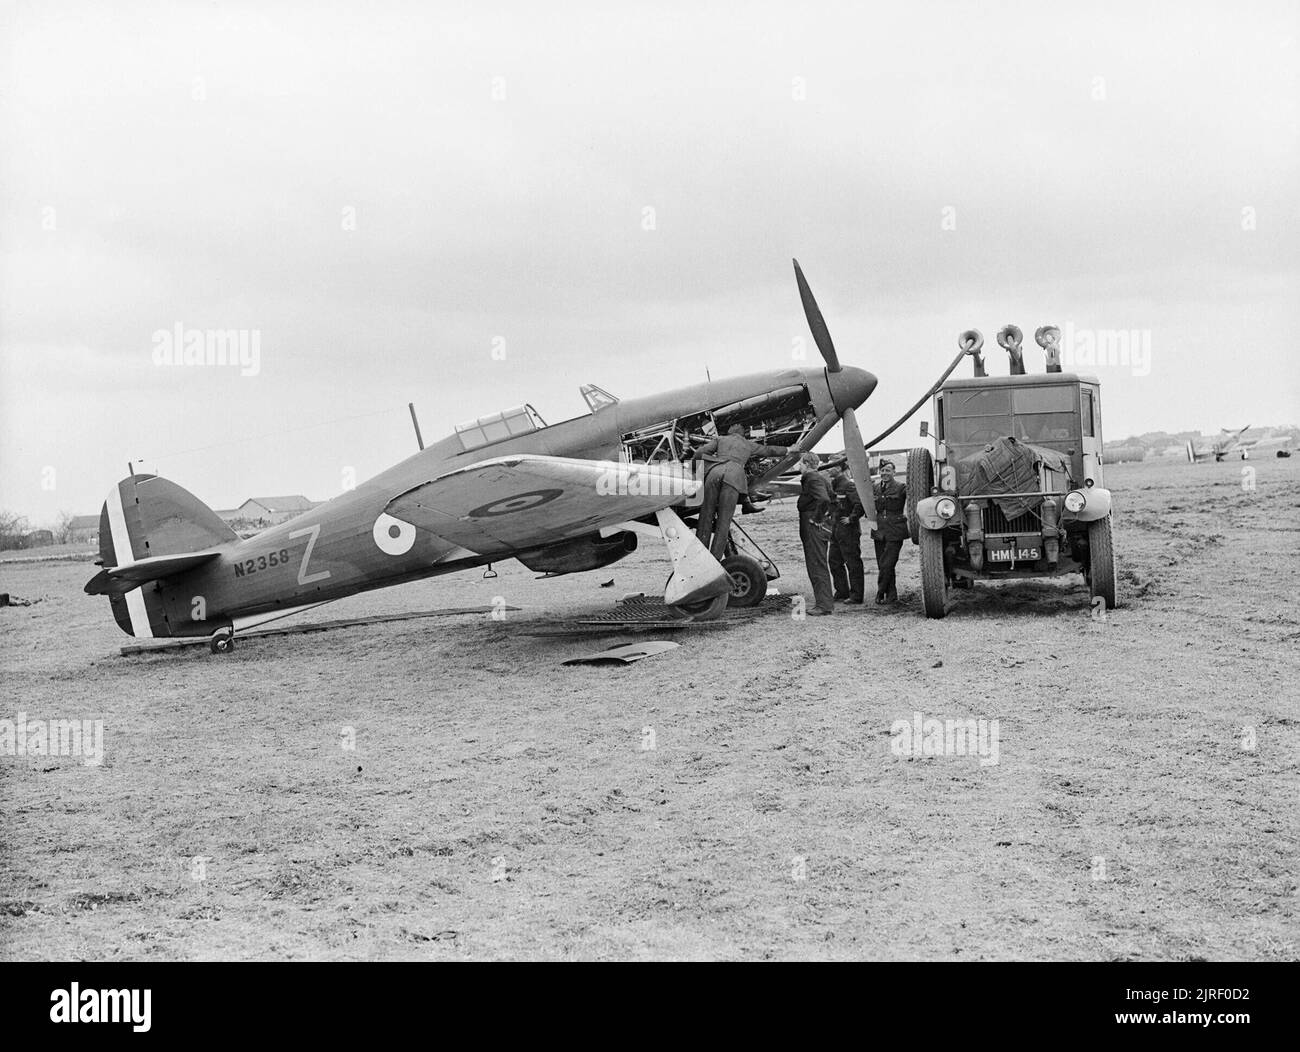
<point x="387" y="192"/>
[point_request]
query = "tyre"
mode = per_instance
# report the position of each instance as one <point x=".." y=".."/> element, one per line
<point x="705" y="609"/>
<point x="748" y="581"/>
<point x="920" y="480"/>
<point x="1101" y="562"/>
<point x="222" y="641"/>
<point x="934" y="579"/>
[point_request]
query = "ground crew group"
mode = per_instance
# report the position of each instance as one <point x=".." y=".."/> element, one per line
<point x="830" y="511"/>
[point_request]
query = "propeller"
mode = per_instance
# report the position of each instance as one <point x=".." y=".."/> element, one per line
<point x="854" y="449"/>
<point x="858" y="464"/>
<point x="821" y="335"/>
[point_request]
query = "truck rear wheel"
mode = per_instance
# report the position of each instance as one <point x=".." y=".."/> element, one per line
<point x="1101" y="562"/>
<point x="934" y="579"/>
<point x="748" y="581"/>
<point x="920" y="480"/>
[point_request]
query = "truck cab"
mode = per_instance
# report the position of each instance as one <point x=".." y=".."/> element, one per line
<point x="1060" y="411"/>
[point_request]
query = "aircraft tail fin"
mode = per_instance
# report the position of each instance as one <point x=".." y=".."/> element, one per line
<point x="150" y="529"/>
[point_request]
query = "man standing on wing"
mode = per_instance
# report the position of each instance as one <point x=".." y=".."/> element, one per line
<point x="725" y="483"/>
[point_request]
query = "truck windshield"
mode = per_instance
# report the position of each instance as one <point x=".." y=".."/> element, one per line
<point x="1046" y="414"/>
<point x="990" y="402"/>
<point x="1047" y="427"/>
<point x="983" y="429"/>
<point x="1039" y="413"/>
<point x="976" y="416"/>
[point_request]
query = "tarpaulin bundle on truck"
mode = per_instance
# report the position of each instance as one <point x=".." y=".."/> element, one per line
<point x="1009" y="466"/>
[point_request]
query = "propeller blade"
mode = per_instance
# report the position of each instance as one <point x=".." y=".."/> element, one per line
<point x="859" y="467"/>
<point x="821" y="335"/>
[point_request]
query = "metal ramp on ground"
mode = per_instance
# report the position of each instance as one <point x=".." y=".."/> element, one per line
<point x="650" y="613"/>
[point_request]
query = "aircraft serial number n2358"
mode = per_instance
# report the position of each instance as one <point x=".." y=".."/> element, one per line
<point x="261" y="562"/>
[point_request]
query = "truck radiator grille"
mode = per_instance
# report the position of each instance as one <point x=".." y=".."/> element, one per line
<point x="996" y="522"/>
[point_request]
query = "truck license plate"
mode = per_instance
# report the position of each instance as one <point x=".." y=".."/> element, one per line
<point x="1014" y="554"/>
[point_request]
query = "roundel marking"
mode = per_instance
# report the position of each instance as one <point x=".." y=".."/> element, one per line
<point x="393" y="536"/>
<point x="519" y="502"/>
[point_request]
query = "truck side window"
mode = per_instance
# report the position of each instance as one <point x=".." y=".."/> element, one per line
<point x="1085" y="404"/>
<point x="938" y="416"/>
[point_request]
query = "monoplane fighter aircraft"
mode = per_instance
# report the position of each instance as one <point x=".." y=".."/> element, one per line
<point x="1233" y="443"/>
<point x="560" y="498"/>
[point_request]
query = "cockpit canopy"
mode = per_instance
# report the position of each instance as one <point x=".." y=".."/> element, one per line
<point x="497" y="426"/>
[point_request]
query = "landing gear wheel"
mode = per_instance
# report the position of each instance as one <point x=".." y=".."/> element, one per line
<point x="748" y="581"/>
<point x="222" y="641"/>
<point x="1101" y="562"/>
<point x="934" y="579"/>
<point x="920" y="480"/>
<point x="705" y="609"/>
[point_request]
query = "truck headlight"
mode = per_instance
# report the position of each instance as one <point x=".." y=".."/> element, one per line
<point x="1075" y="501"/>
<point x="945" y="506"/>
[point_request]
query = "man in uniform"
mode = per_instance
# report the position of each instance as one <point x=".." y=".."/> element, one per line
<point x="890" y="532"/>
<point x="816" y="505"/>
<point x="845" y="552"/>
<point x="725" y="483"/>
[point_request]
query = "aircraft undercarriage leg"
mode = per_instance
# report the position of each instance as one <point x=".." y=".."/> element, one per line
<point x="698" y="586"/>
<point x="222" y="641"/>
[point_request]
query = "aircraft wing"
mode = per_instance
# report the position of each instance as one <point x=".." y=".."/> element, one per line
<point x="517" y="502"/>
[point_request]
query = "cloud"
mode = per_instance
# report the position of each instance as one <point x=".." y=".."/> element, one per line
<point x="616" y="193"/>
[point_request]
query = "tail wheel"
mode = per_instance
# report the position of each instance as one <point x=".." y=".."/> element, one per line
<point x="222" y="641"/>
<point x="748" y="581"/>
<point x="1101" y="562"/>
<point x="705" y="609"/>
<point x="920" y="480"/>
<point x="934" y="579"/>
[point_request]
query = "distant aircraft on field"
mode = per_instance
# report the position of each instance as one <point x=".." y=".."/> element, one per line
<point x="1233" y="444"/>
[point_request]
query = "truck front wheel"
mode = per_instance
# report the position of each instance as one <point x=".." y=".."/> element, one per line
<point x="934" y="579"/>
<point x="1101" y="562"/>
<point x="920" y="480"/>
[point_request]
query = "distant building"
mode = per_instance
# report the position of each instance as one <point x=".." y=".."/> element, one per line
<point x="83" y="529"/>
<point x="268" y="511"/>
